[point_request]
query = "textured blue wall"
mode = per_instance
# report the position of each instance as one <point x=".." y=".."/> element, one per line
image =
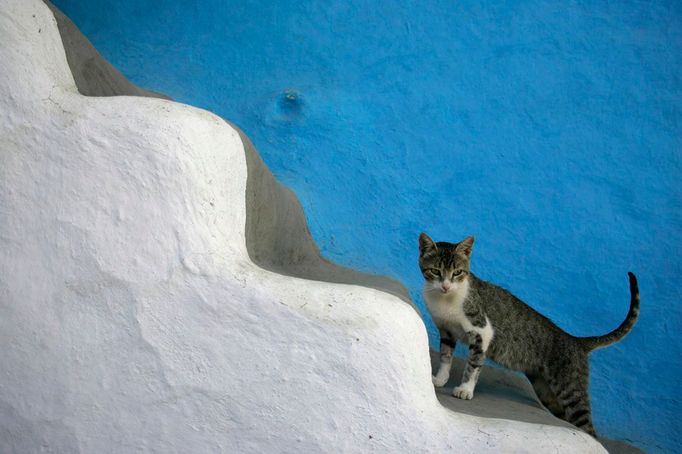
<point x="550" y="130"/>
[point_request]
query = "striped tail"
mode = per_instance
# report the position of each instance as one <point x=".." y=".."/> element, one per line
<point x="594" y="342"/>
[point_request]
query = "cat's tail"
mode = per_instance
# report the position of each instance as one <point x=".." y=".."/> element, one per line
<point x="591" y="343"/>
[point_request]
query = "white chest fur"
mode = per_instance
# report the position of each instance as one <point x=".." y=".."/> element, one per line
<point x="447" y="311"/>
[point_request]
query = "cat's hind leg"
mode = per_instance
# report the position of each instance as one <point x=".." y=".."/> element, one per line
<point x="443" y="374"/>
<point x="473" y="367"/>
<point x="570" y="385"/>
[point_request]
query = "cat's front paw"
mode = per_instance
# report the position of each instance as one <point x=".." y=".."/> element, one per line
<point x="461" y="392"/>
<point x="439" y="381"/>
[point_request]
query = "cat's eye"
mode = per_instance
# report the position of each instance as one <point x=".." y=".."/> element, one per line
<point x="457" y="273"/>
<point x="434" y="271"/>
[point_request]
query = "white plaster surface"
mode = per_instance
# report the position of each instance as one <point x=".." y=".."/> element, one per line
<point x="131" y="318"/>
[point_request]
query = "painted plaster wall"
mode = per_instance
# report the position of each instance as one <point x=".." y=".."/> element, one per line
<point x="550" y="132"/>
<point x="132" y="318"/>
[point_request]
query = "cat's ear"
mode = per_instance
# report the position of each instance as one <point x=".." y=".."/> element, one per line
<point x="465" y="246"/>
<point x="426" y="244"/>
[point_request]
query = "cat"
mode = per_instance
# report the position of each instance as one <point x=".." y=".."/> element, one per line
<point x="496" y="324"/>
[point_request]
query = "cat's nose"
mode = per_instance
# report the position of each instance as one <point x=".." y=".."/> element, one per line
<point x="445" y="286"/>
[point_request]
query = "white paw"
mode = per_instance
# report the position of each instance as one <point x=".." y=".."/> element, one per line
<point x="461" y="392"/>
<point x="439" y="382"/>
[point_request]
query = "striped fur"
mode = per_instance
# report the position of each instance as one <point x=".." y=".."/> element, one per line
<point x="594" y="342"/>
<point x="497" y="325"/>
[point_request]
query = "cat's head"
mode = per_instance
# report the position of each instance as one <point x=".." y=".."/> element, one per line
<point x="445" y="266"/>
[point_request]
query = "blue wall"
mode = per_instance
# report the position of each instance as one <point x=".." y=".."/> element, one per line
<point x="550" y="132"/>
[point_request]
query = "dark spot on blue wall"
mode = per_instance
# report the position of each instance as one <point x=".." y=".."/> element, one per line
<point x="290" y="106"/>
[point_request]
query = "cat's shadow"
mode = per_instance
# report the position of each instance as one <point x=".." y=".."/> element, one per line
<point x="505" y="394"/>
<point x="500" y="393"/>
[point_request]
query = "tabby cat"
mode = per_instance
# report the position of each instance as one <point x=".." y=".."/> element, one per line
<point x="496" y="324"/>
